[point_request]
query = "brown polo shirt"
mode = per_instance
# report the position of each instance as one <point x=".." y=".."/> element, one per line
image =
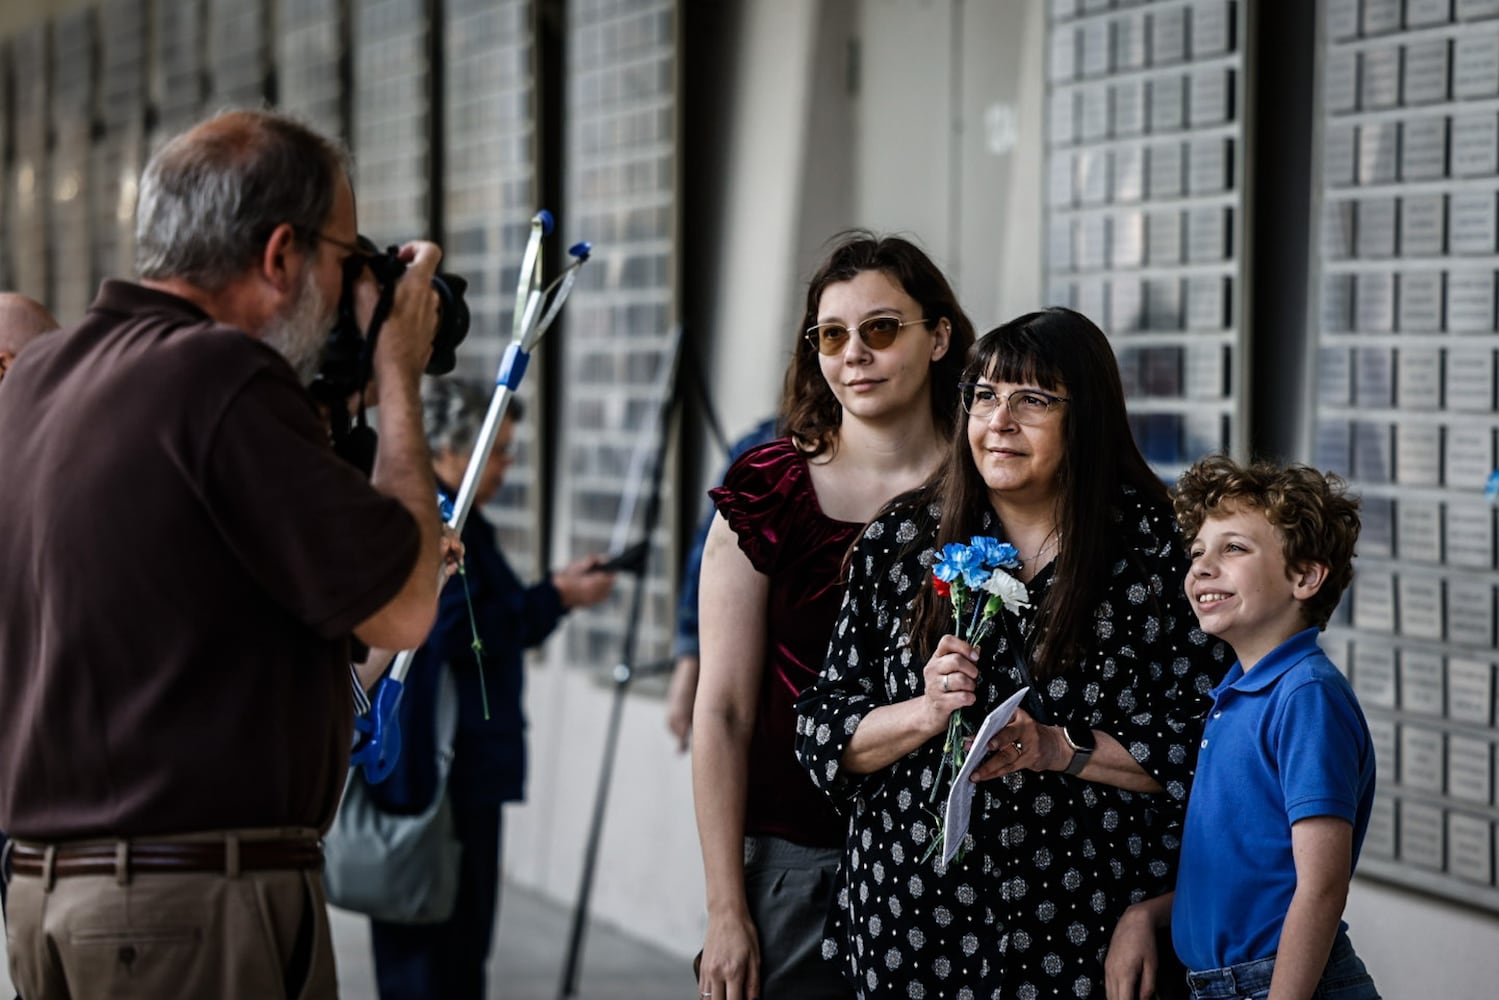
<point x="181" y="560"/>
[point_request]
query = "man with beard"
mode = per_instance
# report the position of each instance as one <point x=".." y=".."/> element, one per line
<point x="182" y="563"/>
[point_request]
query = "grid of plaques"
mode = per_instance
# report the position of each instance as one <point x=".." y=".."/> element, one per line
<point x="1408" y="253"/>
<point x="117" y="154"/>
<point x="1144" y="210"/>
<point x="72" y="126"/>
<point x="238" y="52"/>
<point x="622" y="187"/>
<point x="391" y="134"/>
<point x="29" y="174"/>
<point x="309" y="49"/>
<point x="489" y="128"/>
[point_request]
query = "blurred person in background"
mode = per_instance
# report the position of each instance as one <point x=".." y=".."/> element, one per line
<point x="448" y="959"/>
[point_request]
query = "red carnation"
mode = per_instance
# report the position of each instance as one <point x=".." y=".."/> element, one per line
<point x="941" y="586"/>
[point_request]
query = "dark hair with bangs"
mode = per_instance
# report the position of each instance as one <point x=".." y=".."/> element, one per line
<point x="1316" y="519"/>
<point x="809" y="411"/>
<point x="1061" y="351"/>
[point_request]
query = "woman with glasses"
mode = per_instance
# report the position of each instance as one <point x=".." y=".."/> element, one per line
<point x="869" y="399"/>
<point x="1077" y="798"/>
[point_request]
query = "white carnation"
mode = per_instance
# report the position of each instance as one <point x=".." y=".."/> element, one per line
<point x="1009" y="590"/>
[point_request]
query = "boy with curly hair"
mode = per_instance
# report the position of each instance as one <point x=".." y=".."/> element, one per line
<point x="1285" y="772"/>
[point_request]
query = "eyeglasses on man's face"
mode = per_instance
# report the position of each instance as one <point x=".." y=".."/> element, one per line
<point x="1027" y="406"/>
<point x="877" y="332"/>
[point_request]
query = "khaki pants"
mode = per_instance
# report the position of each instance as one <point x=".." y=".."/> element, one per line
<point x="258" y="934"/>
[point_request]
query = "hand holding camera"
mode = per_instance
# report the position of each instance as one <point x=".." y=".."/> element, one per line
<point x="409" y="337"/>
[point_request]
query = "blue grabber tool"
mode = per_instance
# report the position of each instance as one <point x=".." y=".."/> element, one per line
<point x="535" y="310"/>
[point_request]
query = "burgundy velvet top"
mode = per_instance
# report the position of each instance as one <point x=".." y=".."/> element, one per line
<point x="768" y="500"/>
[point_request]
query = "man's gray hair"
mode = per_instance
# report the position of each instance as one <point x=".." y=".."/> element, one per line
<point x="211" y="197"/>
<point x="453" y="410"/>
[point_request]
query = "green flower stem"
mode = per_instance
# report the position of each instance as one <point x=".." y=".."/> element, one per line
<point x="477" y="645"/>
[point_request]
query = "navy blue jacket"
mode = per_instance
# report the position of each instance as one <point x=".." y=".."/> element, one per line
<point x="489" y="764"/>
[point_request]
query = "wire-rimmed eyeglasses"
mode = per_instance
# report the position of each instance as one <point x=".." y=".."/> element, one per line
<point x="1027" y="406"/>
<point x="878" y="332"/>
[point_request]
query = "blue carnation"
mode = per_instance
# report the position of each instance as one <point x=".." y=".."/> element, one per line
<point x="955" y="560"/>
<point x="995" y="554"/>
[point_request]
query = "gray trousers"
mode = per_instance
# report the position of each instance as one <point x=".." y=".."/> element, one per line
<point x="790" y="890"/>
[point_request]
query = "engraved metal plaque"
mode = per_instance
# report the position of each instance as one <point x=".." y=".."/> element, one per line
<point x="1338" y="224"/>
<point x="1422" y="755"/>
<point x="1207" y="302"/>
<point x="1337" y="302"/>
<point x="1383" y="739"/>
<point x="1421" y="688"/>
<point x="1470" y="690"/>
<point x="1092" y="166"/>
<point x="1419" y="529"/>
<point x="1470" y="379"/>
<point x="1061" y="122"/>
<point x="1210" y="166"/>
<point x="1163" y="238"/>
<point x="1334" y="376"/>
<point x="1208" y="233"/>
<point x="1127" y="240"/>
<point x="1473" y="227"/>
<point x="1475" y="65"/>
<point x="1418" y="379"/>
<point x="1420" y="302"/>
<point x="1168" y="36"/>
<point x="1470" y="612"/>
<point x="1371" y="451"/>
<point x="1374" y="372"/>
<point x="1210" y="101"/>
<point x="1470" y="768"/>
<point x="1378" y="537"/>
<point x="1378" y="158"/>
<point x="1379" y="81"/>
<point x="1168" y="103"/>
<point x="1475" y="144"/>
<point x="1129" y="174"/>
<point x="1426" y="71"/>
<point x="1129" y="42"/>
<point x="1423" y="225"/>
<point x="1381" y="16"/>
<point x="1374" y="601"/>
<point x="1093" y="113"/>
<point x="1339" y="155"/>
<point x="1341" y="18"/>
<point x="1470" y="301"/>
<point x="1418" y="461"/>
<point x="1340" y="82"/>
<point x="1471" y="840"/>
<point x="1163" y="303"/>
<point x="1421" y="13"/>
<point x="1374" y="301"/>
<point x="1470" y="456"/>
<point x="1332" y="448"/>
<point x="1129" y="108"/>
<point x="1421" y="606"/>
<point x="1126" y="304"/>
<point x="1379" y="839"/>
<point x="1092" y="245"/>
<point x="1374" y="673"/>
<point x="1167" y="170"/>
<point x="1470" y="533"/>
<point x="1423" y="148"/>
<point x="1376" y="227"/>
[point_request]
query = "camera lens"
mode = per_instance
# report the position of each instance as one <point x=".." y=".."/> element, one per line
<point x="452" y="323"/>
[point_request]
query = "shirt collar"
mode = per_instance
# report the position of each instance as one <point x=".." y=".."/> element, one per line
<point x="1270" y="669"/>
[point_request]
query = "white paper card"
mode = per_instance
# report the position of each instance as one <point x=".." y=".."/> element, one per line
<point x="956" y="816"/>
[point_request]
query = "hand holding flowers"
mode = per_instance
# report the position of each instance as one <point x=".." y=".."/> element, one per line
<point x="974" y="578"/>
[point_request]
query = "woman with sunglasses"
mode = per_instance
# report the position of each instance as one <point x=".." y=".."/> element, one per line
<point x="870" y="396"/>
<point x="1073" y="817"/>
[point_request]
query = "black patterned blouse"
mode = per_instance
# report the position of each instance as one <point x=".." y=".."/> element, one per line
<point x="1051" y="860"/>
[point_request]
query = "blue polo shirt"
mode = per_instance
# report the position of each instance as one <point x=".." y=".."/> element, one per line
<point x="1284" y="742"/>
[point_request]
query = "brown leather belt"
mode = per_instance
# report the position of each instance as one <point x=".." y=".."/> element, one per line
<point x="182" y="857"/>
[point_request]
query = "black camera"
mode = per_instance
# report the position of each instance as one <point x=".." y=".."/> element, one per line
<point x="348" y="356"/>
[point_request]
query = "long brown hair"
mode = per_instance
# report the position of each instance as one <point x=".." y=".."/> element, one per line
<point x="1054" y="349"/>
<point x="809" y="411"/>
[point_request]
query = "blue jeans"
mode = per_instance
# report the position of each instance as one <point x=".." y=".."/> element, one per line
<point x="1345" y="978"/>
